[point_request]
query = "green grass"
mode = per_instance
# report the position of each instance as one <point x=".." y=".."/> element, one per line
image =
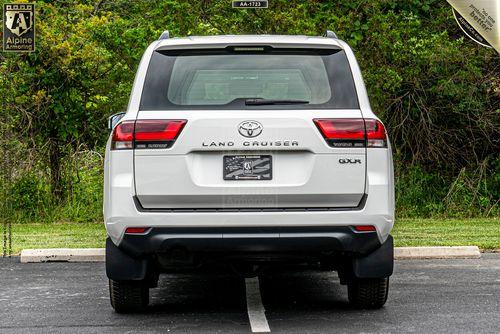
<point x="483" y="232"/>
<point x="57" y="235"/>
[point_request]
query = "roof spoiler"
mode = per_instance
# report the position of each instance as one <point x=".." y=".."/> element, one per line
<point x="329" y="34"/>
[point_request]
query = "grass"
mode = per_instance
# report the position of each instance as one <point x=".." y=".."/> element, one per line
<point x="483" y="232"/>
<point x="56" y="235"/>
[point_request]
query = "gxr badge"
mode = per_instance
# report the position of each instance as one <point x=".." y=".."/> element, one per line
<point x="349" y="161"/>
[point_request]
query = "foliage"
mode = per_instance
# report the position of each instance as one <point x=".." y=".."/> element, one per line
<point x="437" y="92"/>
<point x="28" y="197"/>
<point x="420" y="194"/>
<point x="60" y="95"/>
<point x="471" y="193"/>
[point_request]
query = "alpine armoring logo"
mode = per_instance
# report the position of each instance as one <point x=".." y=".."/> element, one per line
<point x="250" y="129"/>
<point x="19" y="27"/>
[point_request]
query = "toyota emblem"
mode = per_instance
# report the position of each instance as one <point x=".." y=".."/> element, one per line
<point x="250" y="129"/>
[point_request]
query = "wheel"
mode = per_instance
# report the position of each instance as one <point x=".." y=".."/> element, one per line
<point x="128" y="296"/>
<point x="368" y="293"/>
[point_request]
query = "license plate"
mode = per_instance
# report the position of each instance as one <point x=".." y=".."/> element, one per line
<point x="248" y="167"/>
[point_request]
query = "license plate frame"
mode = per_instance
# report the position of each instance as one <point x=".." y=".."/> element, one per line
<point x="247" y="167"/>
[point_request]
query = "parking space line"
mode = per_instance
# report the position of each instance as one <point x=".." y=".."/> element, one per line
<point x="256" y="311"/>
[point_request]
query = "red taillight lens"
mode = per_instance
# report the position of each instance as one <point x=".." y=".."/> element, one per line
<point x="341" y="128"/>
<point x="365" y="228"/>
<point x="149" y="134"/>
<point x="158" y="130"/>
<point x="123" y="136"/>
<point x="136" y="230"/>
<point x="352" y="132"/>
<point x="342" y="132"/>
<point x="375" y="133"/>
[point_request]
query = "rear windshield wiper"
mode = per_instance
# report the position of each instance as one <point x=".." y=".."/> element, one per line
<point x="260" y="102"/>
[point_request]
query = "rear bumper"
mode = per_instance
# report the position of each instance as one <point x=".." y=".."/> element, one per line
<point x="271" y="222"/>
<point x="354" y="254"/>
<point x="251" y="241"/>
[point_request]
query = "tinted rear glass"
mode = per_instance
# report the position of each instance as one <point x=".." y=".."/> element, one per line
<point x="223" y="79"/>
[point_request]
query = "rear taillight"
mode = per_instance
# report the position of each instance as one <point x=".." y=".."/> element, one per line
<point x="375" y="133"/>
<point x="123" y="136"/>
<point x="146" y="134"/>
<point x="342" y="132"/>
<point x="352" y="132"/>
<point x="151" y="134"/>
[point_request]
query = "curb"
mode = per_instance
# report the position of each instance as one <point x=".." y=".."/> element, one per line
<point x="437" y="252"/>
<point x="62" y="255"/>
<point x="98" y="254"/>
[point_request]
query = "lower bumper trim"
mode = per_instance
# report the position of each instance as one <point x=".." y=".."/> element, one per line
<point x="251" y="240"/>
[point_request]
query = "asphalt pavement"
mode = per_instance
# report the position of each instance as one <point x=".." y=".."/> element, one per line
<point x="426" y="296"/>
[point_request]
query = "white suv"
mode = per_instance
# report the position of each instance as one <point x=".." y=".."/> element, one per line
<point x="251" y="151"/>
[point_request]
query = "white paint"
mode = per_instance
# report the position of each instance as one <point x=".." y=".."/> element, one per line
<point x="256" y="311"/>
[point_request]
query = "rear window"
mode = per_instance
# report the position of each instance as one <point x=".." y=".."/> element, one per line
<point x="224" y="79"/>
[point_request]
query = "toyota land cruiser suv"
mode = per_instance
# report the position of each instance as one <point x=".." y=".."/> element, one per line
<point x="251" y="151"/>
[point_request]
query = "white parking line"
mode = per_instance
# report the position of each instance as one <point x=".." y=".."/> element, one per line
<point x="256" y="311"/>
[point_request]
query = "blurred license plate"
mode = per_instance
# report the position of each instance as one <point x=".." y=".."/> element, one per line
<point x="248" y="167"/>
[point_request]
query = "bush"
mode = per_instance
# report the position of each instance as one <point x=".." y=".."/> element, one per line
<point x="475" y="192"/>
<point x="29" y="199"/>
<point x="419" y="194"/>
<point x="471" y="193"/>
<point x="84" y="203"/>
<point x="29" y="195"/>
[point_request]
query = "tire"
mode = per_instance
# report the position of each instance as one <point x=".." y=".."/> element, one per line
<point x="368" y="293"/>
<point x="128" y="296"/>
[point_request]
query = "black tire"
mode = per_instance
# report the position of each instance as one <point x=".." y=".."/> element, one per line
<point x="128" y="296"/>
<point x="368" y="293"/>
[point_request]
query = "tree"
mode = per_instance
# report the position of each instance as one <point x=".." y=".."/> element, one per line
<point x="60" y="95"/>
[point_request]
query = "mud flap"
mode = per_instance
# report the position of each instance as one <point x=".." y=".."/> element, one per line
<point x="122" y="267"/>
<point x="378" y="264"/>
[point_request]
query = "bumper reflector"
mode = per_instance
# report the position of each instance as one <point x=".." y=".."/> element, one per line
<point x="365" y="228"/>
<point x="136" y="230"/>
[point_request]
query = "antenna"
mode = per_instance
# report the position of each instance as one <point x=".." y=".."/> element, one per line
<point x="165" y="35"/>
<point x="330" y="34"/>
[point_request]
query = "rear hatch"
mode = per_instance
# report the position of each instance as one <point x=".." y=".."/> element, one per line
<point x="248" y="129"/>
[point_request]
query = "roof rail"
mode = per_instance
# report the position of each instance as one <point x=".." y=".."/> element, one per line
<point x="330" y="34"/>
<point x="165" y="35"/>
